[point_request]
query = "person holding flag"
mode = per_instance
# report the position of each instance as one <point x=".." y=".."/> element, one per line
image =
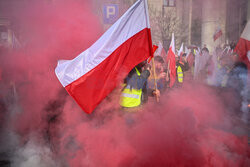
<point x="135" y="89"/>
<point x="161" y="79"/>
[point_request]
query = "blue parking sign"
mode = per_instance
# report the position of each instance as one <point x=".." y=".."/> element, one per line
<point x="110" y="13"/>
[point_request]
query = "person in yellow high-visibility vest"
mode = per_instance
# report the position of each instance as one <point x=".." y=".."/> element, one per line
<point x="179" y="74"/>
<point x="135" y="92"/>
<point x="181" y="67"/>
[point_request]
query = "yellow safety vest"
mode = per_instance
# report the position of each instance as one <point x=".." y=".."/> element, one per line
<point x="131" y="97"/>
<point x="179" y="74"/>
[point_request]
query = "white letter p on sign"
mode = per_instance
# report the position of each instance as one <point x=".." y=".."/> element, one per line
<point x="110" y="11"/>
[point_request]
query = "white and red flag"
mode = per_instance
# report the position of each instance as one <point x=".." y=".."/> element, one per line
<point x="161" y="51"/>
<point x="217" y="34"/>
<point x="243" y="46"/>
<point x="93" y="74"/>
<point x="181" y="50"/>
<point x="187" y="50"/>
<point x="160" y="47"/>
<point x="171" y="62"/>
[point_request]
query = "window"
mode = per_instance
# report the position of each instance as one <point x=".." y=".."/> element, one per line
<point x="169" y="3"/>
<point x="165" y="2"/>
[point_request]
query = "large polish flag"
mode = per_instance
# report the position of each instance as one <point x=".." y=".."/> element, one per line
<point x="243" y="46"/>
<point x="92" y="75"/>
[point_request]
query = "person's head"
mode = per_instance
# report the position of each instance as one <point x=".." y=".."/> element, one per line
<point x="142" y="64"/>
<point x="234" y="57"/>
<point x="183" y="57"/>
<point x="205" y="51"/>
<point x="218" y="50"/>
<point x="159" y="63"/>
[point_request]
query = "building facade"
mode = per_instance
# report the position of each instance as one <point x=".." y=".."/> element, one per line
<point x="203" y="18"/>
<point x="198" y="20"/>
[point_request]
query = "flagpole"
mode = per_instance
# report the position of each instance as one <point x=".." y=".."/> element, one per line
<point x="169" y="70"/>
<point x="190" y="21"/>
<point x="154" y="74"/>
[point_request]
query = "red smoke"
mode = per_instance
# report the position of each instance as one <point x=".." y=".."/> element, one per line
<point x="47" y="32"/>
<point x="189" y="127"/>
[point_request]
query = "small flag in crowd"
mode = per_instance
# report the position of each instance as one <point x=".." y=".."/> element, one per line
<point x="187" y="50"/>
<point x="217" y="34"/>
<point x="180" y="52"/>
<point x="158" y="53"/>
<point x="171" y="62"/>
<point x="161" y="51"/>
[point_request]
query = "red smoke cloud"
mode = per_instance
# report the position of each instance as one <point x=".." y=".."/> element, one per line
<point x="47" y="32"/>
<point x="189" y="127"/>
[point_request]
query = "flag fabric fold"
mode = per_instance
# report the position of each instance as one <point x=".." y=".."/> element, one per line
<point x="154" y="49"/>
<point x="93" y="74"/>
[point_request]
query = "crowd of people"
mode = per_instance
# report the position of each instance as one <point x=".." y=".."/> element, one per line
<point x="220" y="68"/>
